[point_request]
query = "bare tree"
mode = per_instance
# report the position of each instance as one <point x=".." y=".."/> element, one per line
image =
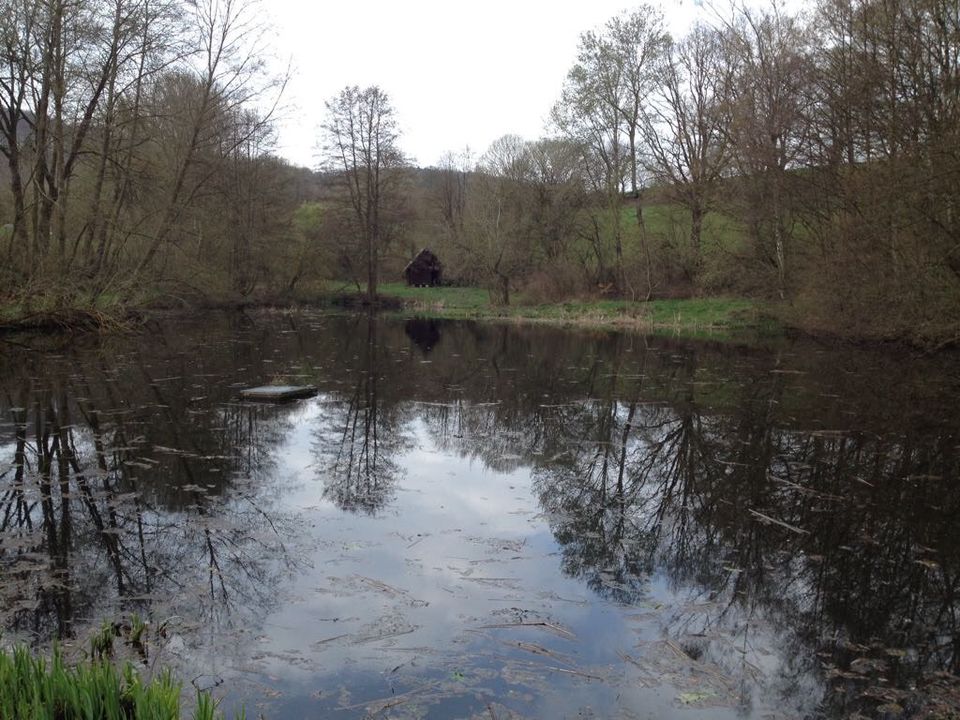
<point x="360" y="145"/>
<point x="601" y="109"/>
<point x="557" y="187"/>
<point x="114" y="117"/>
<point x="253" y="188"/>
<point x="590" y="114"/>
<point x="886" y="113"/>
<point x="224" y="75"/>
<point x="452" y="193"/>
<point x="18" y="28"/>
<point x="155" y="44"/>
<point x="497" y="237"/>
<point x="686" y="124"/>
<point x="59" y="59"/>
<point x="770" y="126"/>
<point x="635" y="42"/>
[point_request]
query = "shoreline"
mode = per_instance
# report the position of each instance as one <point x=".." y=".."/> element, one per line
<point x="712" y="319"/>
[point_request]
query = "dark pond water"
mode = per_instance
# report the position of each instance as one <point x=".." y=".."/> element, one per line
<point x="489" y="521"/>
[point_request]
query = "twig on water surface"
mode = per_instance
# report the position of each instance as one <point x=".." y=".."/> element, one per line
<point x="579" y="673"/>
<point x="680" y="652"/>
<point x="385" y="636"/>
<point x="536" y="667"/>
<point x="629" y="659"/>
<point x="330" y="640"/>
<point x="699" y="666"/>
<point x="538" y="650"/>
<point x="391" y="701"/>
<point x="781" y="523"/>
<point x="563" y="632"/>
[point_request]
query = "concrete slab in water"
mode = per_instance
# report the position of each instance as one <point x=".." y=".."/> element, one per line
<point x="276" y="393"/>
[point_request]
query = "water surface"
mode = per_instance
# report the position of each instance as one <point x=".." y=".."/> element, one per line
<point x="490" y="521"/>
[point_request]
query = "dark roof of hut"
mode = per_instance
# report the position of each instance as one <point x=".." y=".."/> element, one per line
<point x="424" y="255"/>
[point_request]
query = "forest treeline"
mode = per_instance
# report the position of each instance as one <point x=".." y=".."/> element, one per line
<point x="810" y="159"/>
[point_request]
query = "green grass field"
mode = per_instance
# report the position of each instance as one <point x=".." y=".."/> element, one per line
<point x="715" y="317"/>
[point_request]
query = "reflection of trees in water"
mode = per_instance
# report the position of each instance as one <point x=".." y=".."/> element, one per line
<point x="359" y="435"/>
<point x="505" y="401"/>
<point x="87" y="530"/>
<point x="879" y="583"/>
<point x="654" y="465"/>
<point x="827" y="542"/>
<point x="586" y="495"/>
<point x="678" y="467"/>
<point x="618" y="485"/>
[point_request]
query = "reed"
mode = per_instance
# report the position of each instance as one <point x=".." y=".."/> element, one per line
<point x="32" y="688"/>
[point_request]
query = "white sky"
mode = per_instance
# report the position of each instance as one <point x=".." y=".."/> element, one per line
<point x="458" y="73"/>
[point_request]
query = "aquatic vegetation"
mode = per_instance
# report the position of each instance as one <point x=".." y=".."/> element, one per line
<point x="32" y="688"/>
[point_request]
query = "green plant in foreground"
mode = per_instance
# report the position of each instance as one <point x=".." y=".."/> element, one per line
<point x="137" y="628"/>
<point x="101" y="644"/>
<point x="33" y="689"/>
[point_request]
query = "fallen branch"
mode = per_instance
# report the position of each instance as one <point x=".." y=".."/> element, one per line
<point x="781" y="523"/>
<point x="563" y="632"/>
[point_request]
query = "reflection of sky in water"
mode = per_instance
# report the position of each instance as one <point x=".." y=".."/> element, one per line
<point x="492" y="562"/>
<point x="405" y="602"/>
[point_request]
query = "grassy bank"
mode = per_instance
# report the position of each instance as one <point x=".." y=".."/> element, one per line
<point x="32" y="688"/>
<point x="695" y="317"/>
<point x="65" y="311"/>
<point x="715" y="318"/>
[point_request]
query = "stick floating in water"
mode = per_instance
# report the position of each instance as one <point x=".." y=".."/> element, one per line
<point x="278" y="393"/>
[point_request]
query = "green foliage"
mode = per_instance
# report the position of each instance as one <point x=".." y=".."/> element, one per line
<point x="33" y="689"/>
<point x="308" y="218"/>
<point x="137" y="630"/>
<point x="101" y="644"/>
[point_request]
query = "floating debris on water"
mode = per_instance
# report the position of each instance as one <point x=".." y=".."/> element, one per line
<point x="278" y="393"/>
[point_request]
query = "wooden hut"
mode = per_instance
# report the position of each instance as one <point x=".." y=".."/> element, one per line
<point x="424" y="270"/>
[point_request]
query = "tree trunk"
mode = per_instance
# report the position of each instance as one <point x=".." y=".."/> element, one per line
<point x="696" y="232"/>
<point x="372" y="243"/>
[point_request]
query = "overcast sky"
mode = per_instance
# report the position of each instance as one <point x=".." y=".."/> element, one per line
<point x="459" y="73"/>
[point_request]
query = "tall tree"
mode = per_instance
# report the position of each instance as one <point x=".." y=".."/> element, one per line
<point x="58" y="58"/>
<point x="115" y="115"/>
<point x="601" y="109"/>
<point x="225" y="72"/>
<point x="770" y="125"/>
<point x="590" y="114"/>
<point x="686" y="124"/>
<point x="497" y="237"/>
<point x="360" y="146"/>
<point x="636" y="40"/>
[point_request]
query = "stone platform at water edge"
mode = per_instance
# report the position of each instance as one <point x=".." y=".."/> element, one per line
<point x="278" y="393"/>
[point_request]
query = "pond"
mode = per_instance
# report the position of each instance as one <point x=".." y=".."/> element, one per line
<point x="481" y="520"/>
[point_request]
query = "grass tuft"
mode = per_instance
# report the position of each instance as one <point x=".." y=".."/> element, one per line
<point x="32" y="688"/>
